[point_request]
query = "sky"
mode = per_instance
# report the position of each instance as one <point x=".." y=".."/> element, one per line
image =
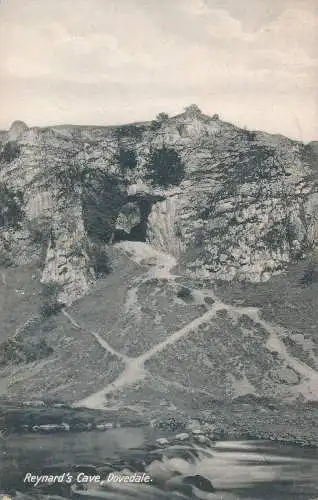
<point x="255" y="62"/>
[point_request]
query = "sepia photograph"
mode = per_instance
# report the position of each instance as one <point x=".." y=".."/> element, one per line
<point x="159" y="249"/>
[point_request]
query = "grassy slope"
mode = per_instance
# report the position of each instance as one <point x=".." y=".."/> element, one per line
<point x="285" y="301"/>
<point x="19" y="297"/>
<point x="134" y="312"/>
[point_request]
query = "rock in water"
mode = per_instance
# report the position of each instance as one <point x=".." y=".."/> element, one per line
<point x="199" y="482"/>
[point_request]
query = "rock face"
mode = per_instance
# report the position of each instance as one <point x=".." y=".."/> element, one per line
<point x="128" y="218"/>
<point x="67" y="262"/>
<point x="16" y="130"/>
<point x="245" y="206"/>
<point x="162" y="226"/>
<point x="166" y="241"/>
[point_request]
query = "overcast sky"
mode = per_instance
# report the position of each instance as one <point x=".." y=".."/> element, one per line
<point x="255" y="62"/>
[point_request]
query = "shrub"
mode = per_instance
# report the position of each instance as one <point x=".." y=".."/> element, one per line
<point x="127" y="158"/>
<point x="249" y="135"/>
<point x="40" y="229"/>
<point x="184" y="293"/>
<point x="102" y="200"/>
<point x="50" y="304"/>
<point x="181" y="129"/>
<point x="310" y="275"/>
<point x="99" y="260"/>
<point x="21" y="350"/>
<point x="10" y="151"/>
<point x="11" y="212"/>
<point x="165" y="167"/>
<point x="130" y="131"/>
<point x="155" y="125"/>
<point x="193" y="110"/>
<point x="5" y="260"/>
<point x="162" y="117"/>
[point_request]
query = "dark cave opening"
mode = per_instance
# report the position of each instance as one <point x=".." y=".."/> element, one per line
<point x="138" y="232"/>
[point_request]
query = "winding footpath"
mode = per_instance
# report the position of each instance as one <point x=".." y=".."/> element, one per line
<point x="135" y="371"/>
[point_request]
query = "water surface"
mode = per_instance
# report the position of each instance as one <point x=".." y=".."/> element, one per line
<point x="257" y="470"/>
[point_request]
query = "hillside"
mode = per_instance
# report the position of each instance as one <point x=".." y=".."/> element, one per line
<point x="163" y="266"/>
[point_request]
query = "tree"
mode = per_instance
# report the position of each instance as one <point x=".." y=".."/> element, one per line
<point x="193" y="110"/>
<point x="162" y="117"/>
<point x="165" y="167"/>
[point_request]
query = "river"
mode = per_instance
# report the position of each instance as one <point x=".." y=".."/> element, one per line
<point x="255" y="470"/>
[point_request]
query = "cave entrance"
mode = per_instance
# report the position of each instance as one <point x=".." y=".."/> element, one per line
<point x="138" y="232"/>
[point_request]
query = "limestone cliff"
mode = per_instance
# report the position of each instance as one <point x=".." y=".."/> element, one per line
<point x="231" y="204"/>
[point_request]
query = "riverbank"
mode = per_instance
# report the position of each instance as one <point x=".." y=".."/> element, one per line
<point x="244" y="418"/>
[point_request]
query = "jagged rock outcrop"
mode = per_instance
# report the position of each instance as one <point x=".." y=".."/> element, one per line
<point x="67" y="262"/>
<point x="244" y="205"/>
<point x="17" y="128"/>
<point x="162" y="226"/>
<point x="128" y="217"/>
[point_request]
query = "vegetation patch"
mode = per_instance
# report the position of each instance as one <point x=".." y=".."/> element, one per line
<point x="10" y="151"/>
<point x="40" y="230"/>
<point x="23" y="349"/>
<point x="5" y="259"/>
<point x="102" y="200"/>
<point x="165" y="167"/>
<point x="310" y="275"/>
<point x="11" y="212"/>
<point x="127" y="159"/>
<point x="50" y="303"/>
<point x="184" y="293"/>
<point x="99" y="260"/>
<point x="130" y="131"/>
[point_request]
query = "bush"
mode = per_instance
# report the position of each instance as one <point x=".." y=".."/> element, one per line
<point x="102" y="200"/>
<point x="127" y="158"/>
<point x="155" y="125"/>
<point x="50" y="304"/>
<point x="310" y="275"/>
<point x="40" y="230"/>
<point x="99" y="260"/>
<point x="193" y="110"/>
<point x="5" y="260"/>
<point x="165" y="167"/>
<point x="130" y="131"/>
<point x="162" y="117"/>
<point x="249" y="135"/>
<point x="184" y="293"/>
<point x="21" y="350"/>
<point x="11" y="212"/>
<point x="10" y="151"/>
